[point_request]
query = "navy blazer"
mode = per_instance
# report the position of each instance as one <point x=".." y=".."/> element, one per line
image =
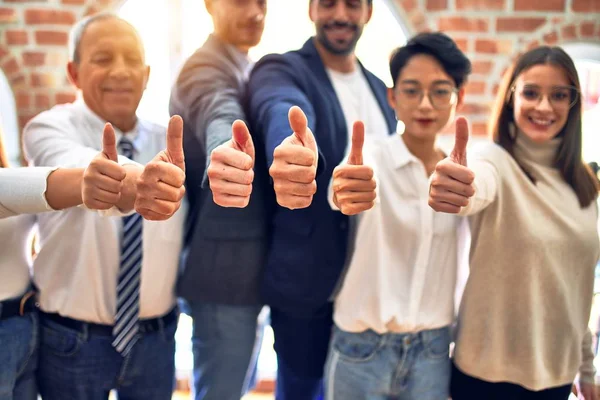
<point x="308" y="247"/>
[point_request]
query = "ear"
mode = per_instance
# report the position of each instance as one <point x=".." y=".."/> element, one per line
<point x="461" y="97"/>
<point x="310" y="10"/>
<point x="391" y="97"/>
<point x="147" y="76"/>
<point x="208" y="4"/>
<point x="370" y="12"/>
<point x="73" y="73"/>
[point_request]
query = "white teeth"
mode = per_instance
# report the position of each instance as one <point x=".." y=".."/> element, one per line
<point x="538" y="121"/>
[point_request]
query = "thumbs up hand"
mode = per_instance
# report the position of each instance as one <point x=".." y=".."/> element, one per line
<point x="103" y="178"/>
<point x="451" y="184"/>
<point x="294" y="167"/>
<point x="230" y="171"/>
<point x="353" y="183"/>
<point x="160" y="187"/>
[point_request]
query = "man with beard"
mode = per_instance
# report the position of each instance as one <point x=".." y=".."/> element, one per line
<point x="308" y="246"/>
<point x="225" y="248"/>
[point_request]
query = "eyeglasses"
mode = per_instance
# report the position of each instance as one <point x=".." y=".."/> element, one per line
<point x="560" y="97"/>
<point x="441" y="95"/>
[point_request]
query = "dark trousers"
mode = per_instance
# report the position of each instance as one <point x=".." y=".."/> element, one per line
<point x="301" y="344"/>
<point x="465" y="387"/>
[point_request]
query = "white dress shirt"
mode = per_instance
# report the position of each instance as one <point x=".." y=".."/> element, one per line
<point x="402" y="273"/>
<point x="77" y="268"/>
<point x="21" y="192"/>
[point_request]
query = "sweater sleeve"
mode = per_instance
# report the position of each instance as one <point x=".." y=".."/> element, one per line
<point x="587" y="371"/>
<point x="486" y="185"/>
<point x="22" y="191"/>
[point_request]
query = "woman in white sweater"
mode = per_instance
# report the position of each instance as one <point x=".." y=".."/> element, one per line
<point x="23" y="192"/>
<point x="522" y="329"/>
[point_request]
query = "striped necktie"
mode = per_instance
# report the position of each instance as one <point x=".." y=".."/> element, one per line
<point x="126" y="325"/>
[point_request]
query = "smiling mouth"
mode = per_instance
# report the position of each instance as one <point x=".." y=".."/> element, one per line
<point x="541" y="121"/>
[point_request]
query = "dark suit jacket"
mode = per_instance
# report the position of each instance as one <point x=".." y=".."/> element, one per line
<point x="308" y="246"/>
<point x="225" y="248"/>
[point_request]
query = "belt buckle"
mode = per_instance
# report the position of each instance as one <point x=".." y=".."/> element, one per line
<point x="24" y="299"/>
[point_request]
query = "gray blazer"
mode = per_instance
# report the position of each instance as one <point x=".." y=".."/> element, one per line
<point x="225" y="248"/>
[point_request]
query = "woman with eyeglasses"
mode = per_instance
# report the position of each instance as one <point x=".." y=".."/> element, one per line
<point x="522" y="328"/>
<point x="394" y="310"/>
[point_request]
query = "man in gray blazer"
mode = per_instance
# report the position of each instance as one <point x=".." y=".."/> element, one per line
<point x="225" y="248"/>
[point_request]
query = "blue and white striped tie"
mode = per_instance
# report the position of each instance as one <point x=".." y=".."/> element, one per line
<point x="125" y="331"/>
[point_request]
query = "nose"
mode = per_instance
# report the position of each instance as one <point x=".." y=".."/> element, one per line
<point x="544" y="104"/>
<point x="258" y="11"/>
<point x="119" y="69"/>
<point x="425" y="102"/>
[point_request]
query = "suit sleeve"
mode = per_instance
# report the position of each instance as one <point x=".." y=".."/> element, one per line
<point x="274" y="88"/>
<point x="210" y="102"/>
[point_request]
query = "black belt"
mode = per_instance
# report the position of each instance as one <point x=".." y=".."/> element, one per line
<point x="145" y="325"/>
<point x="18" y="307"/>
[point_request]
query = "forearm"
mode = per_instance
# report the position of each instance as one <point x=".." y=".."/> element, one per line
<point x="64" y="188"/>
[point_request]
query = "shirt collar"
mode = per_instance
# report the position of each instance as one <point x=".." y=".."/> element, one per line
<point x="400" y="154"/>
<point x="240" y="58"/>
<point x="96" y="124"/>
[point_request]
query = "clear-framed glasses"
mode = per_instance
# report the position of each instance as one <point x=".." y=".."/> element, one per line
<point x="441" y="95"/>
<point x="560" y="97"/>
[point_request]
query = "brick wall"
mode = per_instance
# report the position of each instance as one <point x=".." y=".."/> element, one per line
<point x="33" y="34"/>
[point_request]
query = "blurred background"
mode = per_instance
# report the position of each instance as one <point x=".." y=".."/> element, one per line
<point x="33" y="55"/>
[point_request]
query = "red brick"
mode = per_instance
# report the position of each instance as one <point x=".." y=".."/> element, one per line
<point x="42" y="101"/>
<point x="436" y="5"/>
<point x="463" y="24"/>
<point x="479" y="129"/>
<point x="52" y="38"/>
<point x="545" y="5"/>
<point x="43" y="80"/>
<point x="3" y="52"/>
<point x="532" y="45"/>
<point x="475" y="87"/>
<point x="62" y="98"/>
<point x="10" y="67"/>
<point x="481" y="5"/>
<point x="36" y="16"/>
<point x="17" y="81"/>
<point x="33" y="58"/>
<point x="14" y="37"/>
<point x="74" y="2"/>
<point x="586" y="6"/>
<point x="22" y="100"/>
<point x="491" y="46"/>
<point x="8" y="15"/>
<point x="482" y="67"/>
<point x="408" y="5"/>
<point x="510" y="24"/>
<point x="551" y="38"/>
<point x="587" y="29"/>
<point x="418" y="20"/>
<point x="463" y="44"/>
<point x="569" y="32"/>
<point x="474" y="108"/>
<point x="24" y="118"/>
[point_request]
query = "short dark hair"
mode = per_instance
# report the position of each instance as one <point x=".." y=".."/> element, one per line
<point x="440" y="47"/>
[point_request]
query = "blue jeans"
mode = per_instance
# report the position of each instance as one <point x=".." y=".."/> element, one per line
<point x="80" y="365"/>
<point x="369" y="366"/>
<point x="18" y="357"/>
<point x="226" y="341"/>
